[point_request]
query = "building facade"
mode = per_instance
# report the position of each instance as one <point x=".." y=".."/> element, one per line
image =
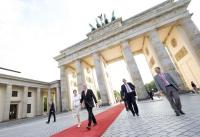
<point x="22" y="98"/>
<point x="165" y="34"/>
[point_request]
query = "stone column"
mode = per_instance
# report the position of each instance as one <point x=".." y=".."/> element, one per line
<point x="58" y="102"/>
<point x="163" y="58"/>
<point x="133" y="71"/>
<point x="49" y="98"/>
<point x="188" y="30"/>
<point x="109" y="84"/>
<point x="39" y="102"/>
<point x="80" y="75"/>
<point x="24" y="102"/>
<point x="65" y="90"/>
<point x="104" y="88"/>
<point x="8" y="95"/>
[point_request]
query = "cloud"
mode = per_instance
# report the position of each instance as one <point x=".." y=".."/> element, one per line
<point x="32" y="32"/>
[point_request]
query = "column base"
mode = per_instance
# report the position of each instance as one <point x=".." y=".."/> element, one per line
<point x="105" y="104"/>
<point x="143" y="98"/>
<point x="185" y="91"/>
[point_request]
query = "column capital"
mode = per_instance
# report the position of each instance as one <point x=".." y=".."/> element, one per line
<point x="186" y="18"/>
<point x="125" y="43"/>
<point x="95" y="54"/>
<point x="78" y="60"/>
<point x="8" y="84"/>
<point x="152" y="32"/>
<point x="26" y="88"/>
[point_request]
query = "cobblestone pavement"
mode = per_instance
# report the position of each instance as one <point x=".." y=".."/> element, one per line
<point x="158" y="120"/>
<point x="39" y="128"/>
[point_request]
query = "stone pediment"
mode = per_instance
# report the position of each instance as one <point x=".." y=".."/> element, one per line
<point x="105" y="30"/>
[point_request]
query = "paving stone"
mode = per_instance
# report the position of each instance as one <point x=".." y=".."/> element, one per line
<point x="157" y="119"/>
<point x="39" y="128"/>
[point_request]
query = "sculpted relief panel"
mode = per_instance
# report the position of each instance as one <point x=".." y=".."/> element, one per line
<point x="181" y="53"/>
<point x="173" y="42"/>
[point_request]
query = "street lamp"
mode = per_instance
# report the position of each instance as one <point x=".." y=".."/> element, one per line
<point x="10" y="70"/>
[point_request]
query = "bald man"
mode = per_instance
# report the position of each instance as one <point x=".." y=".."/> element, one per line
<point x="87" y="96"/>
<point x="128" y="93"/>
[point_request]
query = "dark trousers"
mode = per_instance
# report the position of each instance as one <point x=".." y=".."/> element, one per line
<point x="91" y="117"/>
<point x="151" y="95"/>
<point x="126" y="104"/>
<point x="132" y="103"/>
<point x="173" y="98"/>
<point x="54" y="116"/>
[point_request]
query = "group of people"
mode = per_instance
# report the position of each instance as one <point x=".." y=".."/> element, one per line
<point x="164" y="83"/>
<point x="85" y="99"/>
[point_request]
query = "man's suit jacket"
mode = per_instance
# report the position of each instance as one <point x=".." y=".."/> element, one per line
<point x="52" y="108"/>
<point x="159" y="84"/>
<point x="124" y="91"/>
<point x="88" y="98"/>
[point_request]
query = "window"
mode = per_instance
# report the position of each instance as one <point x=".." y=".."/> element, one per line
<point x="28" y="108"/>
<point x="29" y="94"/>
<point x="45" y="104"/>
<point x="14" y="93"/>
<point x="173" y="42"/>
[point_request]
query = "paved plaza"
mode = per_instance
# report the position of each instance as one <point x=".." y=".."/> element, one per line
<point x="39" y="128"/>
<point x="156" y="119"/>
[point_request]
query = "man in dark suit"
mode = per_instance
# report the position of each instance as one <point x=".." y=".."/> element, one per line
<point x="51" y="112"/>
<point x="167" y="85"/>
<point x="128" y="93"/>
<point x="87" y="96"/>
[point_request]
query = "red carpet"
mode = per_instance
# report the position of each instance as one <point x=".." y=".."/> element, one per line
<point x="104" y="120"/>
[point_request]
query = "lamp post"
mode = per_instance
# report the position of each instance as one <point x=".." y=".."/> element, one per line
<point x="10" y="70"/>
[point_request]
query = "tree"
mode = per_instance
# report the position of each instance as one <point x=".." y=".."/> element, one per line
<point x="151" y="86"/>
<point x="98" y="95"/>
<point x="117" y="95"/>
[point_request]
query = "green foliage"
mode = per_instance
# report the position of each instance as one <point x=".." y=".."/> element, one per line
<point x="117" y="95"/>
<point x="98" y="95"/>
<point x="151" y="86"/>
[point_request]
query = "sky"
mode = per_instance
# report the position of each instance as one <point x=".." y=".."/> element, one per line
<point x="32" y="32"/>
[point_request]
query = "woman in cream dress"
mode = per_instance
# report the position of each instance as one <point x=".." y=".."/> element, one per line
<point x="77" y="106"/>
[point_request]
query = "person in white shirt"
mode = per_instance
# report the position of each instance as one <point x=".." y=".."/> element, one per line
<point x="128" y="93"/>
<point x="77" y="106"/>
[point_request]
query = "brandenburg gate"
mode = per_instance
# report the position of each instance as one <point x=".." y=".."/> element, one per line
<point x="165" y="34"/>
